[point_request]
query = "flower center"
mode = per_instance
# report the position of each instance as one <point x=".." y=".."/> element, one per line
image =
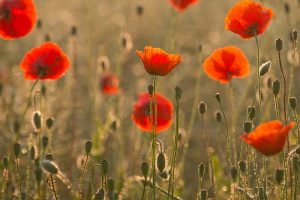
<point x="4" y="13"/>
<point x="42" y="70"/>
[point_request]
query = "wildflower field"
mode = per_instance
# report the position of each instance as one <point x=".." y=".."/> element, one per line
<point x="149" y="99"/>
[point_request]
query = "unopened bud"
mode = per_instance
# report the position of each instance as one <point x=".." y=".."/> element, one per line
<point x="161" y="162"/>
<point x="17" y="149"/>
<point x="145" y="168"/>
<point x="104" y="164"/>
<point x="276" y="87"/>
<point x="50" y="122"/>
<point x="201" y="170"/>
<point x="218" y="116"/>
<point x="287" y="8"/>
<point x="45" y="141"/>
<point x="234" y="173"/>
<point x="295" y="35"/>
<point x="150" y="90"/>
<point x="139" y="10"/>
<point x="88" y="146"/>
<point x="50" y="166"/>
<point x="36" y="118"/>
<point x="5" y="162"/>
<point x="218" y="97"/>
<point x="279" y="175"/>
<point x="39" y="24"/>
<point x="293" y="102"/>
<point x="279" y="44"/>
<point x="243" y="166"/>
<point x="202" y="107"/>
<point x="49" y="157"/>
<point x="251" y="112"/>
<point x="265" y="68"/>
<point x="247" y="126"/>
<point x="73" y="30"/>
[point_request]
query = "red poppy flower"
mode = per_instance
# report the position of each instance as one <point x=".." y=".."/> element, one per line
<point x="158" y="62"/>
<point x="181" y="5"/>
<point x="268" y="138"/>
<point x="17" y="18"/>
<point x="47" y="61"/>
<point x="248" y="18"/>
<point x="141" y="113"/>
<point x="226" y="63"/>
<point x="109" y="84"/>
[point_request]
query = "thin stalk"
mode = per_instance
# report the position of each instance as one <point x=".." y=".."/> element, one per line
<point x="297" y="124"/>
<point x="276" y="108"/>
<point x="144" y="188"/>
<point x="82" y="177"/>
<point x="265" y="175"/>
<point x="53" y="187"/>
<point x="18" y="176"/>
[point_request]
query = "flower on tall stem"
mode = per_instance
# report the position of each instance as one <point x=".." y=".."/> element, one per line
<point x="268" y="138"/>
<point x="226" y="63"/>
<point x="158" y="62"/>
<point x="17" y="18"/>
<point x="248" y="18"/>
<point x="46" y="62"/>
<point x="109" y="84"/>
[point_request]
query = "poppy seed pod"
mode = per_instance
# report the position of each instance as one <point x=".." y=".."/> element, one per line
<point x="50" y="122"/>
<point x="201" y="170"/>
<point x="45" y="141"/>
<point x="218" y="97"/>
<point x="161" y="162"/>
<point x="243" y="166"/>
<point x="203" y="194"/>
<point x="88" y="146"/>
<point x="276" y="87"/>
<point x="293" y="102"/>
<point x="178" y="93"/>
<point x="234" y="173"/>
<point x="17" y="149"/>
<point x="202" y="107"/>
<point x="265" y="68"/>
<point x="295" y="35"/>
<point x="247" y="126"/>
<point x="36" y="119"/>
<point x="5" y="162"/>
<point x="218" y="116"/>
<point x="50" y="166"/>
<point x="279" y="44"/>
<point x="251" y="112"/>
<point x="104" y="164"/>
<point x="145" y="168"/>
<point x="150" y="90"/>
<point x="110" y="184"/>
<point x="99" y="195"/>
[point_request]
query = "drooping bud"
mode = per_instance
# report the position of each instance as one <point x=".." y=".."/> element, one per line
<point x="265" y="68"/>
<point x="178" y="93"/>
<point x="161" y="162"/>
<point x="104" y="165"/>
<point x="145" y="168"/>
<point x="234" y="173"/>
<point x="218" y="97"/>
<point x="293" y="102"/>
<point x="201" y="170"/>
<point x="88" y="146"/>
<point x="50" y="166"/>
<point x="36" y="120"/>
<point x="247" y="126"/>
<point x="50" y="122"/>
<point x="276" y="87"/>
<point x="279" y="175"/>
<point x="279" y="44"/>
<point x="202" y="107"/>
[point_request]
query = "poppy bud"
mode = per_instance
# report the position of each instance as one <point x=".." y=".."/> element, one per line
<point x="161" y="162"/>
<point x="38" y="174"/>
<point x="251" y="112"/>
<point x="200" y="48"/>
<point x="50" y="122"/>
<point x="201" y="170"/>
<point x="17" y="149"/>
<point x="104" y="164"/>
<point x="73" y="30"/>
<point x="247" y="126"/>
<point x="276" y="87"/>
<point x="36" y="119"/>
<point x="114" y="125"/>
<point x="49" y="156"/>
<point x="145" y="168"/>
<point x="279" y="175"/>
<point x="47" y="38"/>
<point x="218" y="116"/>
<point x="99" y="195"/>
<point x="50" y="166"/>
<point x="110" y="184"/>
<point x="178" y="93"/>
<point x="279" y="44"/>
<point x="243" y="166"/>
<point x="45" y="141"/>
<point x="293" y="102"/>
<point x="32" y="153"/>
<point x="88" y="146"/>
<point x="39" y="24"/>
<point x="296" y="164"/>
<point x="295" y="35"/>
<point x="203" y="194"/>
<point x="261" y="193"/>
<point x="5" y="162"/>
<point x="202" y="107"/>
<point x="265" y="68"/>
<point x="287" y="8"/>
<point x="150" y="90"/>
<point x="139" y="10"/>
<point x="218" y="97"/>
<point x="234" y="173"/>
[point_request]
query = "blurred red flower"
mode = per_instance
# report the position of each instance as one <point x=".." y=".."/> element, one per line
<point x="226" y="63"/>
<point x="109" y="84"/>
<point x="141" y="113"/>
<point x="17" y="18"/>
<point x="181" y="5"/>
<point x="268" y="138"/>
<point x="47" y="61"/>
<point x="158" y="62"/>
<point x="248" y="18"/>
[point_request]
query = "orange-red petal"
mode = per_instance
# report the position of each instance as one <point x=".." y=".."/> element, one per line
<point x="226" y="63"/>
<point x="182" y="5"/>
<point x="109" y="84"/>
<point x="47" y="62"/>
<point x="141" y="113"/>
<point x="269" y="138"/>
<point x="158" y="62"/>
<point x="248" y="18"/>
<point x="17" y="18"/>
